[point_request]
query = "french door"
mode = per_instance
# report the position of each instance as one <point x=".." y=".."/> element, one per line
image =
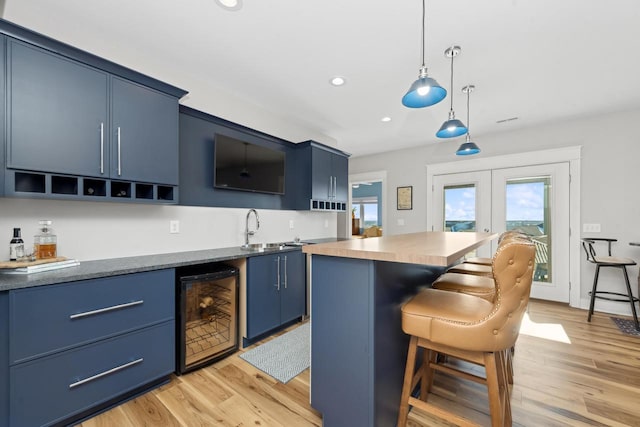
<point x="532" y="199"/>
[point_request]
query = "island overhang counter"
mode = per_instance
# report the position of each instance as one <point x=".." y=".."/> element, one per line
<point x="358" y="348"/>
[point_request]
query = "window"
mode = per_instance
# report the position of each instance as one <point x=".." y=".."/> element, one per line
<point x="366" y="209"/>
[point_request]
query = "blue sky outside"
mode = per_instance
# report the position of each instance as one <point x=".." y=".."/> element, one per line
<point x="525" y="202"/>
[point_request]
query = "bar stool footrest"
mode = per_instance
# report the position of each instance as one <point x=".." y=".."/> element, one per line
<point x="625" y="296"/>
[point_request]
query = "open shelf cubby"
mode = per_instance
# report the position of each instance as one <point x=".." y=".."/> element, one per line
<point x="121" y="189"/>
<point x="165" y="193"/>
<point x="64" y="185"/>
<point x="144" y="191"/>
<point x="54" y="186"/>
<point x="94" y="187"/>
<point x="30" y="182"/>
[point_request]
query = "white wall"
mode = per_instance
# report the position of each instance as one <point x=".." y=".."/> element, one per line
<point x="98" y="230"/>
<point x="609" y="181"/>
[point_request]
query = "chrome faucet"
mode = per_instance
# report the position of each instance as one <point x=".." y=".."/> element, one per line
<point x="248" y="233"/>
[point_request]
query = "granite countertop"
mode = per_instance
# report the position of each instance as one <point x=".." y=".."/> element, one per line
<point x="429" y="248"/>
<point x="134" y="264"/>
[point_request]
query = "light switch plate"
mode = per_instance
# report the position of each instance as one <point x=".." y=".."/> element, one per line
<point x="591" y="228"/>
<point x="400" y="221"/>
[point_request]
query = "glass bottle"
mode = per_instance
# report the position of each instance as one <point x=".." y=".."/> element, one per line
<point x="45" y="242"/>
<point x="16" y="246"/>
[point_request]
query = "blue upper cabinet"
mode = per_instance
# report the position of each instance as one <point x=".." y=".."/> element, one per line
<point x="144" y="134"/>
<point x="79" y="126"/>
<point x="59" y="120"/>
<point x="57" y="113"/>
<point x="324" y="177"/>
<point x="3" y="44"/>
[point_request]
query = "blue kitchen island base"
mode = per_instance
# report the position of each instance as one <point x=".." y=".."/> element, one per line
<point x="358" y="349"/>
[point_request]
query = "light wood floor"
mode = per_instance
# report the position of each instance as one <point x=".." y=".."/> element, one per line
<point x="592" y="379"/>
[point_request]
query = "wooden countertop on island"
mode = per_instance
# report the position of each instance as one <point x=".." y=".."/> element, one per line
<point x="429" y="247"/>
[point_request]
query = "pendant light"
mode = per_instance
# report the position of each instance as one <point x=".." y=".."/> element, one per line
<point x="425" y="91"/>
<point x="468" y="147"/>
<point x="452" y="127"/>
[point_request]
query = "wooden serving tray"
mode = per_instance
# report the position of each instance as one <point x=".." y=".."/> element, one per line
<point x="18" y="264"/>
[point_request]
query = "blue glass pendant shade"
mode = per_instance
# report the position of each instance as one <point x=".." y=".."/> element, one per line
<point x="451" y="128"/>
<point x="468" y="148"/>
<point x="435" y="94"/>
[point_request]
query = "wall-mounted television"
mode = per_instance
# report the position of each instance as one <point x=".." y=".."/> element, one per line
<point x="246" y="166"/>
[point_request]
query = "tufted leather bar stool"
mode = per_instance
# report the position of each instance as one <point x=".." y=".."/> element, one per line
<point x="474" y="279"/>
<point x="471" y="329"/>
<point x="478" y="260"/>
<point x="479" y="286"/>
<point x="474" y="269"/>
<point x="480" y="266"/>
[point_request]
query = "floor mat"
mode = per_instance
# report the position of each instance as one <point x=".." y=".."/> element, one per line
<point x="284" y="357"/>
<point x="626" y="326"/>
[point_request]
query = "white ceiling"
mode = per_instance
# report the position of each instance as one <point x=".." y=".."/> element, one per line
<point x="538" y="60"/>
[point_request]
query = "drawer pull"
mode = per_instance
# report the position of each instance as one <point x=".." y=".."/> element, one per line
<point x="105" y="373"/>
<point x="106" y="309"/>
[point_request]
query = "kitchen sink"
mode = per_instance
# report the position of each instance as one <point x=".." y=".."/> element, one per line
<point x="262" y="247"/>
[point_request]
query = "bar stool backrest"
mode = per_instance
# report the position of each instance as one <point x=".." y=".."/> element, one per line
<point x="513" y="266"/>
<point x="588" y="246"/>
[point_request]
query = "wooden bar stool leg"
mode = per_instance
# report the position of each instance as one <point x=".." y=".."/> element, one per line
<point x="496" y="407"/>
<point x="408" y="381"/>
<point x="424" y="378"/>
<point x="631" y="300"/>
<point x="433" y="358"/>
<point x="508" y="354"/>
<point x="505" y="394"/>
<point x="593" y="293"/>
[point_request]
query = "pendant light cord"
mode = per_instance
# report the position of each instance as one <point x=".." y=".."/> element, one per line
<point x="423" y="24"/>
<point x="452" y="56"/>
<point x="468" y="117"/>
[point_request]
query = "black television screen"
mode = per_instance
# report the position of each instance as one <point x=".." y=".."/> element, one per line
<point x="241" y="165"/>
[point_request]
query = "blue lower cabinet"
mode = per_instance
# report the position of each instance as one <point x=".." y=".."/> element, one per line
<point x="263" y="294"/>
<point x="276" y="291"/>
<point x="51" y="389"/>
<point x="293" y="290"/>
<point x="47" y="319"/>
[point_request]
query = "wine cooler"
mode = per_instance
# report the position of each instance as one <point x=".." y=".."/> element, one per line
<point x="206" y="316"/>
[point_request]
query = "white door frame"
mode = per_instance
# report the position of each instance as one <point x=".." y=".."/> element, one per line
<point x="369" y="177"/>
<point x="557" y="288"/>
<point x="571" y="155"/>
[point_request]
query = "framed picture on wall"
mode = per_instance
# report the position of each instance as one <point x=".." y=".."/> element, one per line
<point x="405" y="198"/>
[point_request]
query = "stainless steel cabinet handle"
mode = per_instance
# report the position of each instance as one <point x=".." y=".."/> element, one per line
<point x="278" y="283"/>
<point x="119" y="162"/>
<point x="106" y="309"/>
<point x="335" y="187"/>
<point x="330" y="186"/>
<point x="285" y="272"/>
<point x="101" y="148"/>
<point x="105" y="373"/>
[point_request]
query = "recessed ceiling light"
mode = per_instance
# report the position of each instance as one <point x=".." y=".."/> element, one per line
<point x="338" y="81"/>
<point x="386" y="119"/>
<point x="230" y="4"/>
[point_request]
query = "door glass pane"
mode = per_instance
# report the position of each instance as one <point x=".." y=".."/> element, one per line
<point x="528" y="211"/>
<point x="460" y="208"/>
